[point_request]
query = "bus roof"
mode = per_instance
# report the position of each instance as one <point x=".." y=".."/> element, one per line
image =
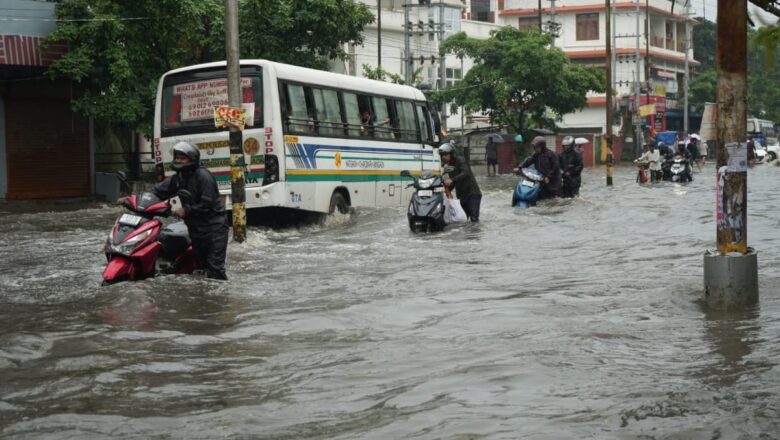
<point x="320" y="77"/>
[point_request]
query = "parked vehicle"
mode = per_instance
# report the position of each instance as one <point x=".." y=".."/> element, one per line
<point x="426" y="207"/>
<point x="139" y="246"/>
<point x="527" y="190"/>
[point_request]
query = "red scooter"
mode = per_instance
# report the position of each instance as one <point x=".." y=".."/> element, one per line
<point x="139" y="246"/>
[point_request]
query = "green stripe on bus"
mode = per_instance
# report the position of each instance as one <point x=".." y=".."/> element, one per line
<point x="343" y="178"/>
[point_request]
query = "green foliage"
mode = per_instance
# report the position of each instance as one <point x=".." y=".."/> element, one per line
<point x="301" y="32"/>
<point x="380" y="74"/>
<point x="705" y="37"/>
<point x="119" y="49"/>
<point x="517" y="76"/>
<point x="702" y="88"/>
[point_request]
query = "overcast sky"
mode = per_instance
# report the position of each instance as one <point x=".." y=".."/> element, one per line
<point x="709" y="10"/>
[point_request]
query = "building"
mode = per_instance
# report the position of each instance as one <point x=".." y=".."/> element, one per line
<point x="649" y="64"/>
<point x="45" y="148"/>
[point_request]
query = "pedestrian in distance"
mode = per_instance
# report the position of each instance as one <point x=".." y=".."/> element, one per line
<point x="462" y="180"/>
<point x="491" y="155"/>
<point x="693" y="150"/>
<point x="571" y="166"/>
<point x="545" y="162"/>
<point x="202" y="212"/>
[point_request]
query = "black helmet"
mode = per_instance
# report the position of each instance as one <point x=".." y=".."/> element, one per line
<point x="188" y="150"/>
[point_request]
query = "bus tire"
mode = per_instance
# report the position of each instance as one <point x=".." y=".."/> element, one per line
<point x="337" y="202"/>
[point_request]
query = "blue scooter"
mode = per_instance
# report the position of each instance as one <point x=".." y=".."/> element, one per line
<point x="528" y="188"/>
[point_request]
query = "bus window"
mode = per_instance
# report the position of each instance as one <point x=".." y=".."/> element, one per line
<point x="425" y="123"/>
<point x="328" y="112"/>
<point x="188" y="101"/>
<point x="298" y="115"/>
<point x="383" y="124"/>
<point x="406" y="122"/>
<point x="352" y="113"/>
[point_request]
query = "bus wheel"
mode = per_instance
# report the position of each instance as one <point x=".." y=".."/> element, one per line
<point x="337" y="202"/>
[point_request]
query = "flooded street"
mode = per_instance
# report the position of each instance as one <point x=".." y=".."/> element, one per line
<point x="575" y="319"/>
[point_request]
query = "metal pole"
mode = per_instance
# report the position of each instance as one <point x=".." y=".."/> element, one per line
<point x="443" y="66"/>
<point x="638" y="128"/>
<point x="237" y="184"/>
<point x="407" y="45"/>
<point x="607" y="13"/>
<point x="686" y="76"/>
<point x="379" y="33"/>
<point x="553" y="31"/>
<point x="540" y="16"/>
<point x="731" y="274"/>
<point x="647" y="50"/>
<point x="613" y="58"/>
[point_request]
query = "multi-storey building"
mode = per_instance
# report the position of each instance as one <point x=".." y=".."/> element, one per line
<point x="648" y="59"/>
<point x="650" y="46"/>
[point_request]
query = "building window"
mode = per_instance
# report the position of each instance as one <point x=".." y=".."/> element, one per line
<point x="527" y="23"/>
<point x="453" y="76"/>
<point x="588" y="26"/>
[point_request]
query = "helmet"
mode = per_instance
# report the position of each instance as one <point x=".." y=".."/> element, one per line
<point x="539" y="141"/>
<point x="188" y="150"/>
<point x="568" y="141"/>
<point x="446" y="148"/>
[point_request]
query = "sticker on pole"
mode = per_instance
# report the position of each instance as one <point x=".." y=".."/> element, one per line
<point x="225" y="116"/>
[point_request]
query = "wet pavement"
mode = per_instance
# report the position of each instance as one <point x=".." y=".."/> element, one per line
<point x="575" y="319"/>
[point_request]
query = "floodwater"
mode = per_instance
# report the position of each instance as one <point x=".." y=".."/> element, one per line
<point x="575" y="319"/>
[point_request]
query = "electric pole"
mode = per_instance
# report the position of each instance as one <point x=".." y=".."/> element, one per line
<point x="237" y="183"/>
<point x="686" y="76"/>
<point x="379" y="33"/>
<point x="731" y="273"/>
<point x="608" y="137"/>
<point x="638" y="128"/>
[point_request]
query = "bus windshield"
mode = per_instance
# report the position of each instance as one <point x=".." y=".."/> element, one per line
<point x="189" y="98"/>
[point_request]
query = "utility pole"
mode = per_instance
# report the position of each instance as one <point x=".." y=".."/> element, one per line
<point x="638" y="128"/>
<point x="647" y="50"/>
<point x="686" y="76"/>
<point x="237" y="183"/>
<point x="608" y="137"/>
<point x="731" y="273"/>
<point x="379" y="33"/>
<point x="407" y="44"/>
<point x="553" y="28"/>
<point x="541" y="28"/>
<point x="443" y="65"/>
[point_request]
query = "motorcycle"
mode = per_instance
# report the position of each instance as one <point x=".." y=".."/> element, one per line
<point x="641" y="176"/>
<point x="527" y="190"/>
<point x="426" y="207"/>
<point x="139" y="246"/>
<point x="680" y="170"/>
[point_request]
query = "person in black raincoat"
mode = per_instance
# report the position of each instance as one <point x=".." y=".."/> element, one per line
<point x="461" y="177"/>
<point x="571" y="167"/>
<point x="546" y="162"/>
<point x="202" y="210"/>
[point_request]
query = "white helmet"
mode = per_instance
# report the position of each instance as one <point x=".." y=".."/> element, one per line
<point x="568" y="141"/>
<point x="446" y="148"/>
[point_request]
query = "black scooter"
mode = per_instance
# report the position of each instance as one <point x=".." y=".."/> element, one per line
<point x="426" y="208"/>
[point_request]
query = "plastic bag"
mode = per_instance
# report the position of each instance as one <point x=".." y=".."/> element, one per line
<point x="453" y="212"/>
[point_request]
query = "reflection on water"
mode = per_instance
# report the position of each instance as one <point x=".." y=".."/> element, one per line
<point x="574" y="319"/>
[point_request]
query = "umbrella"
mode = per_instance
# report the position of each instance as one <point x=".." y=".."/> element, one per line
<point x="580" y="141"/>
<point x="495" y="137"/>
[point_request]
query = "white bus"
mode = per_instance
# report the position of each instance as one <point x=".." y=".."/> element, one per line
<point x="314" y="140"/>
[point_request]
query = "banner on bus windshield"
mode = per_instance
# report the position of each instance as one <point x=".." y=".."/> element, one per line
<point x="198" y="99"/>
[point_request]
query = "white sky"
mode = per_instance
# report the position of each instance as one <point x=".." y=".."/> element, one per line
<point x="709" y="9"/>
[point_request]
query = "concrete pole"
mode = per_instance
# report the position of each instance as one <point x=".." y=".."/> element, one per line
<point x="731" y="273"/>
<point x="608" y="137"/>
<point x="237" y="183"/>
<point x="407" y="45"/>
<point x="541" y="28"/>
<point x="552" y="19"/>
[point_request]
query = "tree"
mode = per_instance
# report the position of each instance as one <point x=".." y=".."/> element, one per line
<point x="117" y="50"/>
<point x="380" y="74"/>
<point x="517" y="76"/>
<point x="705" y="37"/>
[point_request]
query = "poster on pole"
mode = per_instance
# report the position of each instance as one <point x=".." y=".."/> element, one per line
<point x="225" y="116"/>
